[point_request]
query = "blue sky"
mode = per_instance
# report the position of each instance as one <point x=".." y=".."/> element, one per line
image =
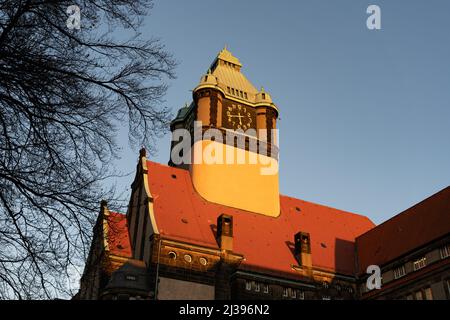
<point x="365" y="115"/>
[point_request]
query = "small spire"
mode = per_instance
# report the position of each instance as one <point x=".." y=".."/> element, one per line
<point x="142" y="152"/>
<point x="262" y="89"/>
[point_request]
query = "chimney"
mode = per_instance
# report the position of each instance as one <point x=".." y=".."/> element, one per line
<point x="302" y="249"/>
<point x="225" y="232"/>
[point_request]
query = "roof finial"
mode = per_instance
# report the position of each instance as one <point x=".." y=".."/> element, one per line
<point x="142" y="152"/>
<point x="262" y="89"/>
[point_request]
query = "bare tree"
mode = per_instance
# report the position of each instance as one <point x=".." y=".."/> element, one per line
<point x="63" y="93"/>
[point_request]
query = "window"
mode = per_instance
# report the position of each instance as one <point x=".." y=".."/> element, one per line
<point x="264" y="96"/>
<point x="285" y="292"/>
<point x="172" y="255"/>
<point x="232" y="91"/>
<point x="130" y="277"/>
<point x="266" y="288"/>
<point x="428" y="294"/>
<point x="445" y="251"/>
<point x="420" y="263"/>
<point x="409" y="297"/>
<point x="301" y="295"/>
<point x="325" y="284"/>
<point x="448" y="286"/>
<point x="257" y="287"/>
<point x="248" y="285"/>
<point x="326" y="298"/>
<point x="228" y="90"/>
<point x="245" y="95"/>
<point x="399" y="272"/>
<point x="293" y="293"/>
<point x="419" y="295"/>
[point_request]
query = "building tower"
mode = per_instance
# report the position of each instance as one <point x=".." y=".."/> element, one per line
<point x="234" y="158"/>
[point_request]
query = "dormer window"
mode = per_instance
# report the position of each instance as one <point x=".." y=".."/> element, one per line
<point x="264" y="96"/>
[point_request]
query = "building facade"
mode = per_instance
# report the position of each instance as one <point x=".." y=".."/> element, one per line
<point x="213" y="225"/>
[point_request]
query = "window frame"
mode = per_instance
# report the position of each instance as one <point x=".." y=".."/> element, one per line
<point x="419" y="263"/>
<point x="399" y="272"/>
<point x="445" y="251"/>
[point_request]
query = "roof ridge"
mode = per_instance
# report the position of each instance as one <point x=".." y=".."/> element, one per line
<point x="329" y="207"/>
<point x="407" y="210"/>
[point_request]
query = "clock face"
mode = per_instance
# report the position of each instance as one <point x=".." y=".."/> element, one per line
<point x="237" y="116"/>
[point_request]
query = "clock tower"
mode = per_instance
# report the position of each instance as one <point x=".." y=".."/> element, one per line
<point x="237" y="130"/>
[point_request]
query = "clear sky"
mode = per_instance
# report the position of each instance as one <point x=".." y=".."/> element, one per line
<point x="365" y="114"/>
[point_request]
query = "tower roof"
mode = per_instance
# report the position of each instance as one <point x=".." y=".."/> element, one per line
<point x="225" y="75"/>
<point x="227" y="56"/>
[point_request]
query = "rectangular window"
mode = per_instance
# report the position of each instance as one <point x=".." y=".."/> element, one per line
<point x="326" y="298"/>
<point x="301" y="295"/>
<point x="293" y="293"/>
<point x="399" y="272"/>
<point x="445" y="251"/>
<point x="245" y="95"/>
<point x="266" y="288"/>
<point x="409" y="297"/>
<point x="248" y="285"/>
<point x="420" y="263"/>
<point x="419" y="295"/>
<point x="257" y="287"/>
<point x="428" y="294"/>
<point x="448" y="286"/>
<point x="285" y="292"/>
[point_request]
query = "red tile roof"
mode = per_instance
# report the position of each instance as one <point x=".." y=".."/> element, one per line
<point x="182" y="214"/>
<point x="117" y="234"/>
<point x="413" y="228"/>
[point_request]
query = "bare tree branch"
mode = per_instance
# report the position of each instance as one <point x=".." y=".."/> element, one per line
<point x="63" y="95"/>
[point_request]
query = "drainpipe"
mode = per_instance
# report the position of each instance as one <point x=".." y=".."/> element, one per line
<point x="157" y="269"/>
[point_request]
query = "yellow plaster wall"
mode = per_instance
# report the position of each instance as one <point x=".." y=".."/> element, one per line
<point x="236" y="185"/>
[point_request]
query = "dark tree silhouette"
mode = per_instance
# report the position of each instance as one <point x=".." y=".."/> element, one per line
<point x="63" y="94"/>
